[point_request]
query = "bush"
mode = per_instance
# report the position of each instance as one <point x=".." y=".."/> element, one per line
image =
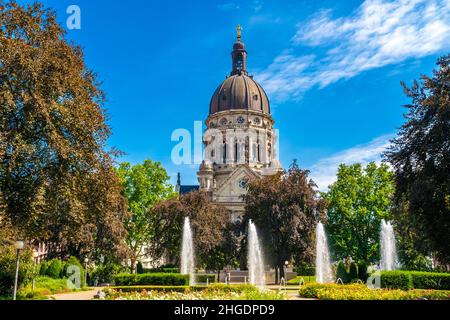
<point x="104" y="273"/>
<point x="54" y="269"/>
<point x="150" y="288"/>
<point x="158" y="279"/>
<point x="139" y="268"/>
<point x="69" y="271"/>
<point x="8" y="268"/>
<point x="304" y="269"/>
<point x="415" y="279"/>
<point x="353" y="274"/>
<point x="341" y="272"/>
<point x="43" y="268"/>
<point x="161" y="270"/>
<point x="205" y="278"/>
<point x="396" y="280"/>
<point x="428" y="280"/>
<point x="44" y="286"/>
<point x="362" y="272"/>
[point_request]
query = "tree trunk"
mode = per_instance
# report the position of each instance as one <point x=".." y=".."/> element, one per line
<point x="276" y="275"/>
<point x="282" y="274"/>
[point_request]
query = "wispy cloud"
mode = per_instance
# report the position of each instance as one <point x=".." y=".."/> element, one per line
<point x="228" y="6"/>
<point x="324" y="171"/>
<point x="377" y="34"/>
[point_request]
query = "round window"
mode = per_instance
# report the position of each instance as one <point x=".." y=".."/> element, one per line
<point x="240" y="120"/>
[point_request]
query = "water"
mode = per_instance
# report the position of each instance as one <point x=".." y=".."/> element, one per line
<point x="187" y="252"/>
<point x="389" y="260"/>
<point x="255" y="258"/>
<point x="324" y="272"/>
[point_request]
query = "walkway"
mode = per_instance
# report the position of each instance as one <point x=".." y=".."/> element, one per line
<point x="77" y="296"/>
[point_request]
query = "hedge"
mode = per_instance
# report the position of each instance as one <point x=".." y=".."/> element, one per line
<point x="157" y="279"/>
<point x="206" y="278"/>
<point x="406" y="280"/>
<point x="160" y="270"/>
<point x="150" y="288"/>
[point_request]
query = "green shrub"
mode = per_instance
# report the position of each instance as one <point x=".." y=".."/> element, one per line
<point x="54" y="269"/>
<point x="104" y="273"/>
<point x="429" y="280"/>
<point x="150" y="288"/>
<point x="353" y="274"/>
<point x="304" y="269"/>
<point x="206" y="278"/>
<point x="341" y="272"/>
<point x="8" y="268"/>
<point x="362" y="271"/>
<point x="415" y="279"/>
<point x="396" y="280"/>
<point x="139" y="268"/>
<point x="69" y="271"/>
<point x="158" y="279"/>
<point x="161" y="270"/>
<point x="43" y="268"/>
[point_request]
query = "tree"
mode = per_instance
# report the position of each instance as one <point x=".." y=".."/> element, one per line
<point x="213" y="239"/>
<point x="285" y="208"/>
<point x="357" y="202"/>
<point x="57" y="183"/>
<point x="144" y="185"/>
<point x="420" y="157"/>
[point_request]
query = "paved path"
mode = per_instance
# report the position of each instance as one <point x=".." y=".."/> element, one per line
<point x="77" y="296"/>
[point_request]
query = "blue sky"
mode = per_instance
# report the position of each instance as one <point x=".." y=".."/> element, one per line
<point x="332" y="69"/>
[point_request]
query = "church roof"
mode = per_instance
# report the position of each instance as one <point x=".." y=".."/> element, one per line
<point x="239" y="91"/>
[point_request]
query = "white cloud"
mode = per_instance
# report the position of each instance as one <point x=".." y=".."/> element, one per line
<point x="324" y="171"/>
<point x="228" y="6"/>
<point x="377" y="34"/>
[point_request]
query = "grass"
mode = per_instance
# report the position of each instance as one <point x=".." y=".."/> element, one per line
<point x="306" y="279"/>
<point x="44" y="287"/>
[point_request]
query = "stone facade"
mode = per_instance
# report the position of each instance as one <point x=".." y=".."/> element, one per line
<point x="240" y="142"/>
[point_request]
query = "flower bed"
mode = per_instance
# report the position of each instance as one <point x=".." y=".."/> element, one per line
<point x="362" y="292"/>
<point x="213" y="292"/>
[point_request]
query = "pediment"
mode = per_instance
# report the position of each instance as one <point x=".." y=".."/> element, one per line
<point x="231" y="190"/>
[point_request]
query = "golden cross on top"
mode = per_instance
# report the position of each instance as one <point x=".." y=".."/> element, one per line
<point x="239" y="32"/>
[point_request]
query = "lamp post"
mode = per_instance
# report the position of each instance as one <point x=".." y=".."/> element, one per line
<point x="35" y="258"/>
<point x="19" y="246"/>
<point x="86" y="261"/>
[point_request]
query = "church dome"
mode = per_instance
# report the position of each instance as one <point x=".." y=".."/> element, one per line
<point x="239" y="92"/>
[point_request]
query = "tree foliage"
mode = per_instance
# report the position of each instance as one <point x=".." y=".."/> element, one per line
<point x="57" y="183"/>
<point x="285" y="208"/>
<point x="144" y="185"/>
<point x="357" y="202"/>
<point x="211" y="225"/>
<point x="420" y="156"/>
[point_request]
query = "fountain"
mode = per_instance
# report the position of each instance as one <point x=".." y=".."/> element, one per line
<point x="389" y="260"/>
<point x="324" y="273"/>
<point x="187" y="252"/>
<point x="255" y="258"/>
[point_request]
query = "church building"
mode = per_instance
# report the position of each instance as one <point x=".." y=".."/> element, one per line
<point x="240" y="141"/>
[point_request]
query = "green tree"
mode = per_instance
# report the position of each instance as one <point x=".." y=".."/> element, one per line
<point x="357" y="202"/>
<point x="56" y="181"/>
<point x="285" y="208"/>
<point x="144" y="186"/>
<point x="420" y="157"/>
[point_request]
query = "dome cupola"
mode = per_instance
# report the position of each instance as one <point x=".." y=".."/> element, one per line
<point x="239" y="91"/>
